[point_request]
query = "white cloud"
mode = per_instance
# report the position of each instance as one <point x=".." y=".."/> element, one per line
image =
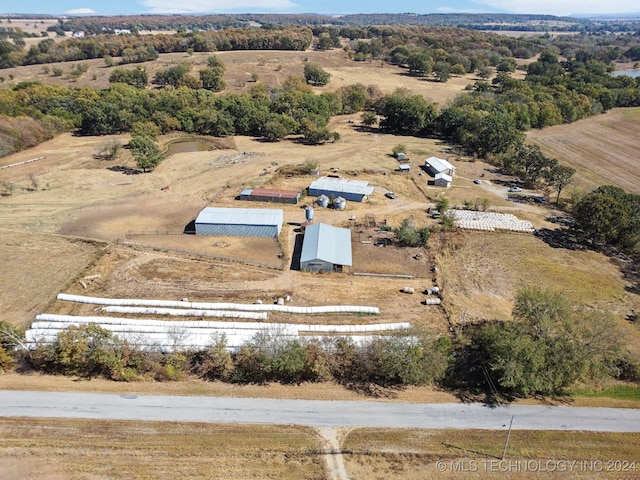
<point x="564" y="7"/>
<point x="80" y="11"/>
<point x="205" y="6"/>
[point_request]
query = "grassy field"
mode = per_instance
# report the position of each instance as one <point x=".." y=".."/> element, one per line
<point x="430" y="454"/>
<point x="603" y="149"/>
<point x="46" y="449"/>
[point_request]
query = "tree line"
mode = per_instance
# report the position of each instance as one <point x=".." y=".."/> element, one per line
<point x="547" y="347"/>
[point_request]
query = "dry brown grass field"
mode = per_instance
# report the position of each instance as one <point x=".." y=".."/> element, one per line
<point x="52" y="449"/>
<point x="604" y="148"/>
<point x="429" y="454"/>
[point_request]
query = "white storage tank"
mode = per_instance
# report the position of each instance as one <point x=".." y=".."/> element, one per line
<point x="323" y="201"/>
<point x="339" y="203"/>
<point x="308" y="213"/>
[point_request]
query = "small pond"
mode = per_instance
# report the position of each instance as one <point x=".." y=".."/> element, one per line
<point x="630" y="73"/>
<point x="185" y="146"/>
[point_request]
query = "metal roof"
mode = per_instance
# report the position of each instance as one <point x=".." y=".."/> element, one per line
<point x="439" y="164"/>
<point x="342" y="185"/>
<point x="327" y="243"/>
<point x="241" y="216"/>
<point x="270" y="192"/>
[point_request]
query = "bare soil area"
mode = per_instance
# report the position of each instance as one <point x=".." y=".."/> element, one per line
<point x="604" y="148"/>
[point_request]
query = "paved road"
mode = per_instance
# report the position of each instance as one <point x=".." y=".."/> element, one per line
<point x="313" y="412"/>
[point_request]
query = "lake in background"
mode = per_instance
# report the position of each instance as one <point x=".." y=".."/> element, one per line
<point x="630" y="73"/>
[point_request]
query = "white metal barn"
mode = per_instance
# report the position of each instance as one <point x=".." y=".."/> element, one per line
<point x="240" y="222"/>
<point x="325" y="248"/>
<point x="352" y="190"/>
<point x="441" y="170"/>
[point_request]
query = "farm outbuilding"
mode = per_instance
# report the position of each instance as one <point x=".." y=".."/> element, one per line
<point x="325" y="248"/>
<point x="353" y="190"/>
<point x="239" y="222"/>
<point x="435" y="165"/>
<point x="271" y="195"/>
<point x="442" y="180"/>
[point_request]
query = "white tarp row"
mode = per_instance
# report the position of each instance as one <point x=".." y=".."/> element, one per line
<point x="219" y="306"/>
<point x="113" y="323"/>
<point x="178" y="312"/>
<point x="170" y="342"/>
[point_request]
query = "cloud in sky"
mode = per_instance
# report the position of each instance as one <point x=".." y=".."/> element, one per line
<point x="80" y="11"/>
<point x="203" y="6"/>
<point x="564" y="7"/>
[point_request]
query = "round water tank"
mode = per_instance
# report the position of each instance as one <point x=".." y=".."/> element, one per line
<point x="308" y="213"/>
<point x="323" y="201"/>
<point x="339" y="203"/>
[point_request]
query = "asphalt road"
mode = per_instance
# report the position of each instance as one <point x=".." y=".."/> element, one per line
<point x="313" y="412"/>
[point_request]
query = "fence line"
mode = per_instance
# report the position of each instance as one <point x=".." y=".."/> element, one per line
<point x="201" y="254"/>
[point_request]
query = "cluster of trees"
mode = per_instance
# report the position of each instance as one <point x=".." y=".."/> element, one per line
<point x="548" y="347"/>
<point x="609" y="216"/>
<point x="481" y="21"/>
<point x="91" y="351"/>
<point x="532" y="167"/>
<point x="140" y="48"/>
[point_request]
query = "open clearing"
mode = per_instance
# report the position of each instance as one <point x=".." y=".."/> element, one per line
<point x="39" y="449"/>
<point x="430" y="454"/>
<point x="604" y="148"/>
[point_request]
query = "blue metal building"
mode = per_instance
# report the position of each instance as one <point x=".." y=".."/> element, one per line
<point x="353" y="190"/>
<point x="240" y="222"/>
<point x="325" y="248"/>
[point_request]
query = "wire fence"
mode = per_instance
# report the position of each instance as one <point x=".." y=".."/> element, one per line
<point x="250" y="263"/>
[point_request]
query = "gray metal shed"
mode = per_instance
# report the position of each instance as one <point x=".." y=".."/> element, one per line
<point x="240" y="222"/>
<point x="353" y="190"/>
<point x="325" y="248"/>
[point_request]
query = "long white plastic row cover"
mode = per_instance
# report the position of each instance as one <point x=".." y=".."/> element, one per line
<point x="168" y="342"/>
<point x="219" y="306"/>
<point x="193" y="324"/>
<point x="178" y="312"/>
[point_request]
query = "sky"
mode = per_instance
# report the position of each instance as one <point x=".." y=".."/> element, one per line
<point x="128" y="7"/>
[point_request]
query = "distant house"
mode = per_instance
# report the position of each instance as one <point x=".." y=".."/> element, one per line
<point x="325" y="248"/>
<point x="404" y="167"/>
<point x="239" y="222"/>
<point x="78" y="34"/>
<point x="122" y="31"/>
<point x="353" y="190"/>
<point x="270" y="195"/>
<point x="441" y="171"/>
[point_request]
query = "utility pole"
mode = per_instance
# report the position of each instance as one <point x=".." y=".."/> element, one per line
<point x="504" y="452"/>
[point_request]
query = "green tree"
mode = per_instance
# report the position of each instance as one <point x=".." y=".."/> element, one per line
<point x="369" y="118"/>
<point x="559" y="177"/>
<point x="442" y="71"/>
<point x="602" y="216"/>
<point x="214" y="362"/>
<point x="274" y="131"/>
<point x="547" y="347"/>
<point x="211" y="78"/>
<point x="314" y="74"/>
<point x="145" y="151"/>
<point x="408" y="235"/>
<point x="406" y="114"/>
